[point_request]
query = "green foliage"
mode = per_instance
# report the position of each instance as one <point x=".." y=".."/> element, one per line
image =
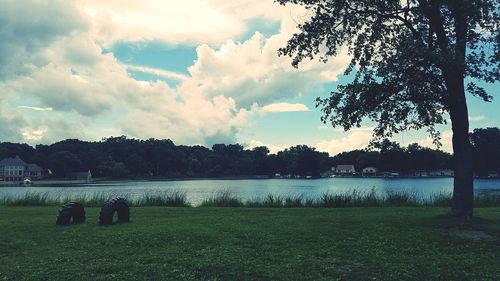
<point x="486" y="154"/>
<point x="112" y="168"/>
<point x="410" y="58"/>
<point x="129" y="158"/>
<point x="390" y="156"/>
<point x="302" y="160"/>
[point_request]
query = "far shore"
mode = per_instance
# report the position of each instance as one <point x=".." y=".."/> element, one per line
<point x="46" y="182"/>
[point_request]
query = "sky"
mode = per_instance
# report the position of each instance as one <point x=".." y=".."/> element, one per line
<point x="193" y="71"/>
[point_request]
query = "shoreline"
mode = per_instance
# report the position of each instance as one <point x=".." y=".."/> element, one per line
<point x="110" y="180"/>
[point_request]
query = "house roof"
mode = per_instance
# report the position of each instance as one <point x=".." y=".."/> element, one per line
<point x="345" y="167"/>
<point x="16" y="161"/>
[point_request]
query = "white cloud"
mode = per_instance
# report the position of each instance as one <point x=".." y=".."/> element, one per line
<point x="54" y="57"/>
<point x="446" y="141"/>
<point x="356" y="139"/>
<point x="57" y="88"/>
<point x="10" y="121"/>
<point x="35" y="108"/>
<point x="158" y="72"/>
<point x="273" y="148"/>
<point x="477" y="118"/>
<point x="285" y="107"/>
<point x="33" y="135"/>
<point x="198" y="21"/>
<point x="28" y="27"/>
<point x="196" y="121"/>
<point x="252" y="72"/>
<point x="170" y="21"/>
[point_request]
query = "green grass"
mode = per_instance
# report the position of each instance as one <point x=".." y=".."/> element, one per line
<point x="393" y="243"/>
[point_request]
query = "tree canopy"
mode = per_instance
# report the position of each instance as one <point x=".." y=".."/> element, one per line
<point x="121" y="157"/>
<point x="401" y="53"/>
<point x="410" y="59"/>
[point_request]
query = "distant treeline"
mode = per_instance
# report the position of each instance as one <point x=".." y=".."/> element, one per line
<point x="122" y="157"/>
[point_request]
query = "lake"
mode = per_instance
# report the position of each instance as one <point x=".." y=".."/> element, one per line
<point x="197" y="190"/>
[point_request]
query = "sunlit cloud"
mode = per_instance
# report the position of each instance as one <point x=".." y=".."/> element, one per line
<point x="477" y="118"/>
<point x="446" y="141"/>
<point x="33" y="135"/>
<point x="357" y="139"/>
<point x="285" y="107"/>
<point x="158" y="72"/>
<point x="273" y="148"/>
<point x="35" y="108"/>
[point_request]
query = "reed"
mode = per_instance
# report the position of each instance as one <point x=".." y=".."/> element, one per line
<point x="163" y="199"/>
<point x="225" y="198"/>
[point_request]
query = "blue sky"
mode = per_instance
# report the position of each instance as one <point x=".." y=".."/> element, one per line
<point x="164" y="69"/>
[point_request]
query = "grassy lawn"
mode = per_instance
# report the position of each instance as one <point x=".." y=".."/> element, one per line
<point x="400" y="243"/>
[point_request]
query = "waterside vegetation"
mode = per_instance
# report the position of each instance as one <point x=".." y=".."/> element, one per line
<point x="226" y="198"/>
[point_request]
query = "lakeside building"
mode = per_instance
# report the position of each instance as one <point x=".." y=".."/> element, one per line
<point x="15" y="169"/>
<point x="345" y="170"/>
<point x="369" y="172"/>
<point x="441" y="173"/>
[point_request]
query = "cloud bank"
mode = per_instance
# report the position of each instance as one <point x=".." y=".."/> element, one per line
<point x="59" y="79"/>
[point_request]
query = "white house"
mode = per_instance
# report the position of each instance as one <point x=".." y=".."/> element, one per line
<point x="15" y="169"/>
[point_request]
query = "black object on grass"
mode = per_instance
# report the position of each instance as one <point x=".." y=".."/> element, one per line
<point x="71" y="210"/>
<point x="118" y="205"/>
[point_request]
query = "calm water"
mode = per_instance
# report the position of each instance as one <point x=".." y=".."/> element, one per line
<point x="197" y="190"/>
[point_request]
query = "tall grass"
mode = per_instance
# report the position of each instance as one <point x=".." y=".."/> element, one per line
<point x="226" y="198"/>
<point x="97" y="199"/>
<point x="327" y="200"/>
<point x="166" y="199"/>
<point x="487" y="199"/>
<point x="29" y="199"/>
<point x="223" y="198"/>
<point x="440" y="200"/>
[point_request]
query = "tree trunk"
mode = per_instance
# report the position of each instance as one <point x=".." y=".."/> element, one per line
<point x="463" y="191"/>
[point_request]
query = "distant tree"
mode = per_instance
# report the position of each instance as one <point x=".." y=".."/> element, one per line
<point x="302" y="160"/>
<point x="111" y="168"/>
<point x="229" y="158"/>
<point x="358" y="158"/>
<point x="410" y="60"/>
<point x="259" y="162"/>
<point x="62" y="162"/>
<point x="393" y="158"/>
<point x="486" y="146"/>
<point x="424" y="158"/>
<point x="8" y="149"/>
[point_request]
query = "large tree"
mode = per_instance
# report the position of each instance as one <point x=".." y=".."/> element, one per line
<point x="411" y="60"/>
